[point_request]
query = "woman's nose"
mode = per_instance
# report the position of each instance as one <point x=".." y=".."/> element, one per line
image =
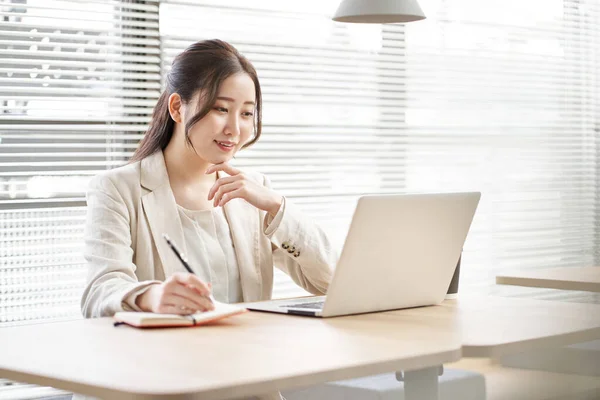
<point x="233" y="126"/>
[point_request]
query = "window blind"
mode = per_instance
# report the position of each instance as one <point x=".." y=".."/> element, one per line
<point x="503" y="98"/>
<point x="78" y="80"/>
<point x="498" y="98"/>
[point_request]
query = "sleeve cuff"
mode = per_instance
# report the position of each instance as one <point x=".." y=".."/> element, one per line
<point x="271" y="224"/>
<point x="129" y="304"/>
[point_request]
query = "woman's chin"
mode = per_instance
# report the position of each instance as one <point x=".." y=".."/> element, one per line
<point x="220" y="158"/>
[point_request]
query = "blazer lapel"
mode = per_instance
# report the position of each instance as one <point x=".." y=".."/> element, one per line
<point x="244" y="224"/>
<point x="161" y="213"/>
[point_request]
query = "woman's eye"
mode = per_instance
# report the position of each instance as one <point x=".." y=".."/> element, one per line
<point x="221" y="109"/>
<point x="248" y="114"/>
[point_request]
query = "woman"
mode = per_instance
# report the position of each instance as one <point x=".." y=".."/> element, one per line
<point x="229" y="223"/>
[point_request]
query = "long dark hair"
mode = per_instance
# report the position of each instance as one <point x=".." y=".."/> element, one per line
<point x="203" y="67"/>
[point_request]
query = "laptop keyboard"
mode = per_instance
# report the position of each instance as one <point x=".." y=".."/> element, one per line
<point x="315" y="305"/>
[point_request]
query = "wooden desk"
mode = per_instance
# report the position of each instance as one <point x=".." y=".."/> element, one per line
<point x="572" y="278"/>
<point x="532" y="334"/>
<point x="258" y="352"/>
<point x="493" y="326"/>
<point x="580" y="359"/>
<point x="245" y="355"/>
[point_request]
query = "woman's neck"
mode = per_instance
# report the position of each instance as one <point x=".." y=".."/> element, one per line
<point x="184" y="166"/>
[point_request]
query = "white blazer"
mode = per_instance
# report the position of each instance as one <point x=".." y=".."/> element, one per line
<point x="129" y="209"/>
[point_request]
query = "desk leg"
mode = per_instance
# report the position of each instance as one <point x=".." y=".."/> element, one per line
<point x="421" y="384"/>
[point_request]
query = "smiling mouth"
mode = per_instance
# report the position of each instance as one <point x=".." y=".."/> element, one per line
<point x="225" y="145"/>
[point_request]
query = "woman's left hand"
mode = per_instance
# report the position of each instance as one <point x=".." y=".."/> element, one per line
<point x="237" y="185"/>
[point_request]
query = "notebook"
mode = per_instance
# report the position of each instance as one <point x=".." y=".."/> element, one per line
<point x="153" y="320"/>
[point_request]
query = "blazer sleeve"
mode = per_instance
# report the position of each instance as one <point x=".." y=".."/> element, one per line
<point x="108" y="252"/>
<point x="301" y="248"/>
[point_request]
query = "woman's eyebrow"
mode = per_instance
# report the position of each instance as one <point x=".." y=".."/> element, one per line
<point x="232" y="100"/>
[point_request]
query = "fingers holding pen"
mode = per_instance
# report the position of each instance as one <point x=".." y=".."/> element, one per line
<point x="189" y="297"/>
<point x="181" y="293"/>
<point x="194" y="282"/>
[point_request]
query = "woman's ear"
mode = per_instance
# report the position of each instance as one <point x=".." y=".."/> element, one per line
<point x="175" y="107"/>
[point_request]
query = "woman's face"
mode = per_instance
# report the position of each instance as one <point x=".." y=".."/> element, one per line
<point x="229" y="124"/>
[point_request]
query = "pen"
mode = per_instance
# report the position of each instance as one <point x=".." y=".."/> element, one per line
<point x="182" y="258"/>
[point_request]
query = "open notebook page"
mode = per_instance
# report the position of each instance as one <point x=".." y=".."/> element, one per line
<point x="153" y="320"/>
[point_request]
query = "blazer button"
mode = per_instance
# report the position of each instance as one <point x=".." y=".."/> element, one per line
<point x="285" y="245"/>
<point x="297" y="253"/>
<point x="292" y="249"/>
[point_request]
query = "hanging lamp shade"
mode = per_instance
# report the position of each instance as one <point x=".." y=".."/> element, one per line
<point x="378" y="11"/>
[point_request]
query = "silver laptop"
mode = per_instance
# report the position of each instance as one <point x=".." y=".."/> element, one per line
<point x="400" y="252"/>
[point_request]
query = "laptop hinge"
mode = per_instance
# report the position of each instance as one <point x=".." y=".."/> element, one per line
<point x="301" y="312"/>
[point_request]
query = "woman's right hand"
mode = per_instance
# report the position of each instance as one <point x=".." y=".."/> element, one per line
<point x="182" y="293"/>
